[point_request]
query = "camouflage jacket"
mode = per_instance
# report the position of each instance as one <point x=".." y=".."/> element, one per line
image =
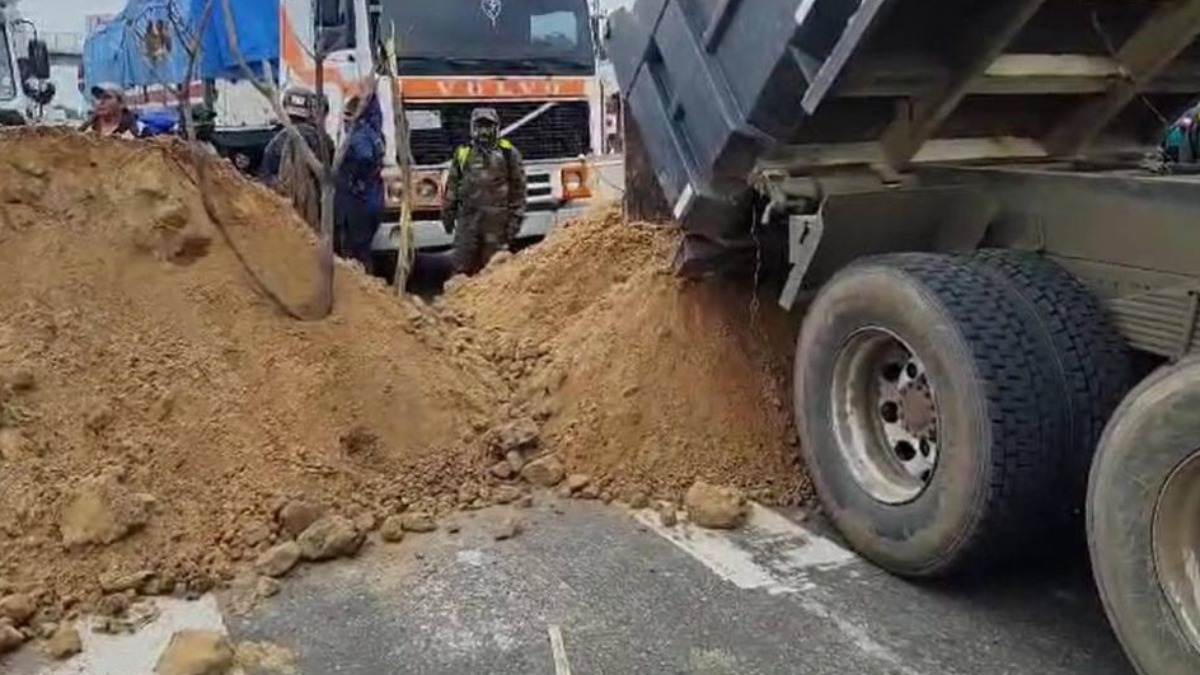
<point x="486" y="184"/>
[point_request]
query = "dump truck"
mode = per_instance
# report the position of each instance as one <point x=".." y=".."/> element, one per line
<point x="1001" y="275"/>
<point x="25" y="86"/>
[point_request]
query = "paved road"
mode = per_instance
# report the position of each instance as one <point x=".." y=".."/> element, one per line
<point x="595" y="590"/>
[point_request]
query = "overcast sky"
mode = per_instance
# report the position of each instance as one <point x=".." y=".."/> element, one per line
<point x="68" y="14"/>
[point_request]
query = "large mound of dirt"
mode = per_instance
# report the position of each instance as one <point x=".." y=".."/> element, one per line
<point x="157" y="407"/>
<point x="649" y="382"/>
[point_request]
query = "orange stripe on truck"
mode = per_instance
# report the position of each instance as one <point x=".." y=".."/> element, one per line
<point x="493" y="87"/>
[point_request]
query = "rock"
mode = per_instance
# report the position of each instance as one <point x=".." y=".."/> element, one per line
<point x="64" y="643"/>
<point x="715" y="507"/>
<point x="18" y="607"/>
<point x="13" y="445"/>
<point x="278" y="560"/>
<point x="101" y="512"/>
<point x="366" y="522"/>
<point x="392" y="530"/>
<point x="525" y="502"/>
<point x="255" y="533"/>
<point x="296" y="516"/>
<point x="115" y="604"/>
<point x="22" y="381"/>
<point x="418" y="521"/>
<point x="589" y="492"/>
<point x="522" y="434"/>
<point x="328" y="538"/>
<point x="544" y="472"/>
<point x="508" y="528"/>
<point x="502" y="470"/>
<point x="563" y="492"/>
<point x="506" y="494"/>
<point x="515" y="460"/>
<point x="578" y="481"/>
<point x="10" y="638"/>
<point x="452" y="528"/>
<point x="606" y="497"/>
<point x="118" y="583"/>
<point x="638" y="500"/>
<point x="266" y="587"/>
<point x="667" y="514"/>
<point x="196" y="652"/>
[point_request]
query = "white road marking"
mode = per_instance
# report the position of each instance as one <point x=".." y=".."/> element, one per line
<point x="771" y="552"/>
<point x="561" y="665"/>
<point x="775" y="554"/>
<point x="136" y="654"/>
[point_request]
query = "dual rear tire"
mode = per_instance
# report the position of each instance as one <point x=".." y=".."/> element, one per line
<point x="949" y="406"/>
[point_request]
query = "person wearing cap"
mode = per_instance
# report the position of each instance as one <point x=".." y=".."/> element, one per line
<point x="359" y="199"/>
<point x="484" y="205"/>
<point x="111" y="117"/>
<point x="283" y="166"/>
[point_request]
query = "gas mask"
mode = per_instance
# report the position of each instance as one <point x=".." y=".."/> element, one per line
<point x="485" y="132"/>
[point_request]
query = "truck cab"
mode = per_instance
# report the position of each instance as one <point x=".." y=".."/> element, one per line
<point x="24" y="69"/>
<point x="535" y="63"/>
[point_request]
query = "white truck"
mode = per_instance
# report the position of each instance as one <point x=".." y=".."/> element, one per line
<point x="24" y="69"/>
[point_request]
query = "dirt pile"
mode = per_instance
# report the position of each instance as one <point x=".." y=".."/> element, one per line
<point x="158" y="409"/>
<point x="643" y="382"/>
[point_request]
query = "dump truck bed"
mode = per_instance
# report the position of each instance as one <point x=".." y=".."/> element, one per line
<point x="723" y="90"/>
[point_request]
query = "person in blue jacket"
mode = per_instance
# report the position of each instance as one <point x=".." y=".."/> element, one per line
<point x="359" y="200"/>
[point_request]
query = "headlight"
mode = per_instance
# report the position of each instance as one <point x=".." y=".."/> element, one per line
<point x="427" y="191"/>
<point x="575" y="183"/>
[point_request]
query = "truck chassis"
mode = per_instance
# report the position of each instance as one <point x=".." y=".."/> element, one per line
<point x="1002" y="283"/>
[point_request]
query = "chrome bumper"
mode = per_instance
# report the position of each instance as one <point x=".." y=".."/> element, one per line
<point x="429" y="234"/>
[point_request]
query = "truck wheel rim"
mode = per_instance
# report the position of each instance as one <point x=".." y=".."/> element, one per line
<point x="1176" y="536"/>
<point x="885" y="416"/>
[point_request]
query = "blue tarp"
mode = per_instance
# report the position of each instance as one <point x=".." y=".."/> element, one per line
<point x="142" y="46"/>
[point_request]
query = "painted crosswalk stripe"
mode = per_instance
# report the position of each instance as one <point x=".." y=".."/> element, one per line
<point x="561" y="665"/>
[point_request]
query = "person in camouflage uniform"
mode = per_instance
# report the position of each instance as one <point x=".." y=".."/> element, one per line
<point x="283" y="167"/>
<point x="484" y="204"/>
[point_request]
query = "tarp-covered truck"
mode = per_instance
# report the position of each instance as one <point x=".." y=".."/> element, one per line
<point x="968" y="193"/>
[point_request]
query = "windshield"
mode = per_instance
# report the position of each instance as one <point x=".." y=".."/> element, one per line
<point x="8" y="84"/>
<point x="491" y="37"/>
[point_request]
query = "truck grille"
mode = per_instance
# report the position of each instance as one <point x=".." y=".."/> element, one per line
<point x="561" y="132"/>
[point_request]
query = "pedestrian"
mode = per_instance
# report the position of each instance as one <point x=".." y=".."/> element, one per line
<point x="283" y="166"/>
<point x="358" y="206"/>
<point x="111" y="117"/>
<point x="484" y="205"/>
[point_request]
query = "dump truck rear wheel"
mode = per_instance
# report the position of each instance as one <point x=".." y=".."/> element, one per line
<point x="926" y="354"/>
<point x="1144" y="521"/>
<point x="1094" y="360"/>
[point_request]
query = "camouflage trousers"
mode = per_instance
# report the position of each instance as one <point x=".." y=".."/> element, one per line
<point x="478" y="237"/>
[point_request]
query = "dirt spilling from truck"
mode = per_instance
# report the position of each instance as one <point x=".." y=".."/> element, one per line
<point x="646" y="382"/>
<point x="173" y="420"/>
<point x="159" y="409"/>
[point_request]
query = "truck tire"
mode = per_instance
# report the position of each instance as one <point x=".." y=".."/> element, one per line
<point x="930" y="417"/>
<point x="1143" y="521"/>
<point x="1092" y="358"/>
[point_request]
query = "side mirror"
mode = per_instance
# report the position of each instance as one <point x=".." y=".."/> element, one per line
<point x="39" y="60"/>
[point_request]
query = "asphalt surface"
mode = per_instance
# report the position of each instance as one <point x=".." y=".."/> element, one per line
<point x="595" y="590"/>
